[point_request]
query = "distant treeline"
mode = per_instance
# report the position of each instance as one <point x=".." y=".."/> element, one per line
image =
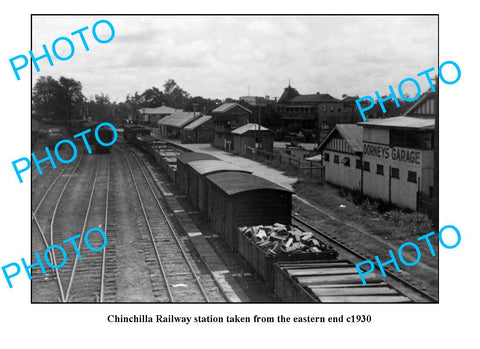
<point x="62" y="100"/>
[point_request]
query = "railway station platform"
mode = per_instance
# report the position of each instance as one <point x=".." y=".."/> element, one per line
<point x="257" y="168"/>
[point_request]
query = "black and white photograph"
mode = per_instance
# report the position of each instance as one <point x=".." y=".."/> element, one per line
<point x="226" y="159"/>
<point x="238" y="174"/>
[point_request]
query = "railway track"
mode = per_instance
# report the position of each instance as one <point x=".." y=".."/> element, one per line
<point x="173" y="276"/>
<point x="42" y="221"/>
<point x="406" y="287"/>
<point x="88" y="280"/>
<point x="48" y="170"/>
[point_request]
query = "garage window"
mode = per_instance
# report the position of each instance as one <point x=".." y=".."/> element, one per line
<point x="336" y="159"/>
<point x="395" y="173"/>
<point x="346" y="161"/>
<point x="380" y="170"/>
<point x="366" y="166"/>
<point x="412" y="177"/>
<point x="326" y="157"/>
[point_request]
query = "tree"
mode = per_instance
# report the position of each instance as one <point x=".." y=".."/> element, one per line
<point x="152" y="97"/>
<point x="100" y="108"/>
<point x="58" y="100"/>
<point x="202" y="105"/>
<point x="45" y="97"/>
<point x="70" y="98"/>
<point x="175" y="96"/>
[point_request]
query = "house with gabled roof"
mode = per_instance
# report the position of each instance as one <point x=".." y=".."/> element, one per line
<point x="226" y="118"/>
<point x="171" y="125"/>
<point x="341" y="155"/>
<point x="152" y="115"/>
<point x="424" y="107"/>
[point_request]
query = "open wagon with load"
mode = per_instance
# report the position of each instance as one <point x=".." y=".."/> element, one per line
<point x="264" y="245"/>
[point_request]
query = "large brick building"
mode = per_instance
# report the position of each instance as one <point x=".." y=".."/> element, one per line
<point x="316" y="113"/>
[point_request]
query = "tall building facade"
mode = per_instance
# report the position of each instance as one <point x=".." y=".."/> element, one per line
<point x="316" y="113"/>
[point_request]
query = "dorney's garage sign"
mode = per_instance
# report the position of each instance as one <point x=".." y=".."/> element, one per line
<point x="409" y="156"/>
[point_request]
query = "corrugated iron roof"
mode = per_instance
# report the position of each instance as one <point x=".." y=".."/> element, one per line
<point x="227" y="106"/>
<point x="178" y="119"/>
<point x="187" y="157"/>
<point x="233" y="183"/>
<point x="158" y="110"/>
<point x="401" y="122"/>
<point x="353" y="135"/>
<point x="249" y="127"/>
<point x="199" y="122"/>
<point x="212" y="166"/>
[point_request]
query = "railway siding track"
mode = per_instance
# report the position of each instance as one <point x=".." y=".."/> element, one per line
<point x="174" y="275"/>
<point x="193" y="238"/>
<point x="404" y="286"/>
<point x="89" y="278"/>
<point x="42" y="219"/>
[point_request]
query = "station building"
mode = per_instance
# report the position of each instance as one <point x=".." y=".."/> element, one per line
<point x="153" y="115"/>
<point x="171" y="125"/>
<point x="198" y="131"/>
<point x="252" y="136"/>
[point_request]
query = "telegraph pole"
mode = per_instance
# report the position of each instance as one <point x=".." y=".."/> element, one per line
<point x="259" y="127"/>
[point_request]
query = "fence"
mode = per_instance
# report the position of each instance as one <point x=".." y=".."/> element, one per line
<point x="304" y="168"/>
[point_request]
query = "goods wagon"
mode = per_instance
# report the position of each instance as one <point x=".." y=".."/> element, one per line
<point x="104" y="133"/>
<point x="198" y="171"/>
<point x="239" y="199"/>
<point x="330" y="282"/>
<point x="166" y="158"/>
<point x="147" y="143"/>
<point x="130" y="132"/>
<point x="182" y="175"/>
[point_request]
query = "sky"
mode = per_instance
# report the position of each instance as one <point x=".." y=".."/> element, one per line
<point x="222" y="56"/>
